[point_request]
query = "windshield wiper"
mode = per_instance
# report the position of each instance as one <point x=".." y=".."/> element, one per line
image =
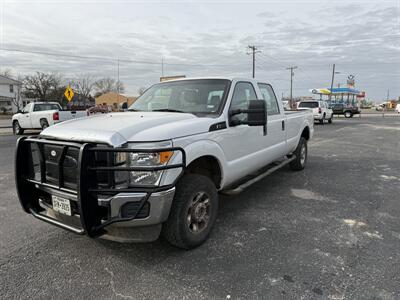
<point x="133" y="109"/>
<point x="169" y="110"/>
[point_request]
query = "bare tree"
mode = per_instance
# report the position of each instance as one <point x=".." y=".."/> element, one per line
<point x="141" y="90"/>
<point x="6" y="72"/>
<point x="106" y="85"/>
<point x="41" y="84"/>
<point x="83" y="85"/>
<point x="17" y="101"/>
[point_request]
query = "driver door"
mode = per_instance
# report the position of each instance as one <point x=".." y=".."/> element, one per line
<point x="25" y="119"/>
<point x="242" y="144"/>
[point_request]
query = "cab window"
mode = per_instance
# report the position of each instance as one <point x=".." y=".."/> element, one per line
<point x="269" y="97"/>
<point x="242" y="94"/>
<point x="27" y="108"/>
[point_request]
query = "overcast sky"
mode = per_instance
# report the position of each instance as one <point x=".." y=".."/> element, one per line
<point x="201" y="38"/>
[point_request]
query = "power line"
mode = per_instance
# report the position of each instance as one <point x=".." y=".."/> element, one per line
<point x="55" y="54"/>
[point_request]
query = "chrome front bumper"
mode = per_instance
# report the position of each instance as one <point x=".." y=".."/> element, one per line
<point x="160" y="204"/>
<point x="139" y="230"/>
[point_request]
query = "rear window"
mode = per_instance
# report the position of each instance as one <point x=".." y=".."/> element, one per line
<point x="47" y="106"/>
<point x="310" y="104"/>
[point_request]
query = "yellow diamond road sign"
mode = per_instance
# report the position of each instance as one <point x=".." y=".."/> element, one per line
<point x="69" y="93"/>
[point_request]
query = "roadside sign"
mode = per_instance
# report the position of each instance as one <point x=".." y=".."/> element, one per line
<point x="167" y="78"/>
<point x="69" y="93"/>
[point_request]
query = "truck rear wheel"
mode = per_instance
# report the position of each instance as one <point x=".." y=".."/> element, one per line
<point x="301" y="152"/>
<point x="17" y="128"/>
<point x="348" y="114"/>
<point x="44" y="124"/>
<point x="193" y="212"/>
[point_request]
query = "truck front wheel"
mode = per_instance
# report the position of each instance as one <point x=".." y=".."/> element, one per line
<point x="193" y="212"/>
<point x="301" y="152"/>
<point x="17" y="128"/>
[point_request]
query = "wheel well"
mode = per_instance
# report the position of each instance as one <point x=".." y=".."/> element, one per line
<point x="306" y="133"/>
<point x="44" y="119"/>
<point x="207" y="166"/>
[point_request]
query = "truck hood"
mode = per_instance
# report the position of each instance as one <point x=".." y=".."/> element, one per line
<point x="118" y="128"/>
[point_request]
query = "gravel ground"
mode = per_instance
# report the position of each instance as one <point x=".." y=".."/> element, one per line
<point x="331" y="231"/>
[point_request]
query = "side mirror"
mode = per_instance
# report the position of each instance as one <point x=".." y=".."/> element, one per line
<point x="256" y="114"/>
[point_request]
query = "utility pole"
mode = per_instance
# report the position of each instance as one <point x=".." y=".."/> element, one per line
<point x="162" y="66"/>
<point x="253" y="52"/>
<point x="333" y="78"/>
<point x="118" y="81"/>
<point x="291" y="85"/>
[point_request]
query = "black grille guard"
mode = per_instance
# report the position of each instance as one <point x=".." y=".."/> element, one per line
<point x="92" y="222"/>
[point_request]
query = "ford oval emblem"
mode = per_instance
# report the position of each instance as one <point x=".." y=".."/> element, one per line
<point x="53" y="153"/>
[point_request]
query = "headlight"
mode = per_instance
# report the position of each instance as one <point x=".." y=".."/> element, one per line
<point x="142" y="159"/>
<point x="147" y="160"/>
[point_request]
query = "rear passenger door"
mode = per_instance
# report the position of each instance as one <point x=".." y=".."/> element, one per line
<point x="36" y="115"/>
<point x="276" y="127"/>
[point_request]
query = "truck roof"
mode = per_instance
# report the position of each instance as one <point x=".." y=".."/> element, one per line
<point x="48" y="102"/>
<point x="230" y="78"/>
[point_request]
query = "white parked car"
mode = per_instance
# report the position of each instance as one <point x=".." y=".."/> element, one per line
<point x="320" y="109"/>
<point x="40" y="115"/>
<point x="158" y="168"/>
<point x="398" y="108"/>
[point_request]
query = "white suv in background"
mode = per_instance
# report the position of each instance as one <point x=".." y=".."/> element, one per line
<point x="320" y="109"/>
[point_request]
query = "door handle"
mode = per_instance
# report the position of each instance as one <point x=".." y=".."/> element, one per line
<point x="283" y="125"/>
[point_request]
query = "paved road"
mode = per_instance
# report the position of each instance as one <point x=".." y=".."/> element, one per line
<point x="330" y="232"/>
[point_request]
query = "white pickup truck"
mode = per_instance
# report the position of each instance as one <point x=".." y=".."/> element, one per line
<point x="320" y="109"/>
<point x="40" y="115"/>
<point x="159" y="167"/>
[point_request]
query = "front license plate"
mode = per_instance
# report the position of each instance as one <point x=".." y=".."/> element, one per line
<point x="62" y="205"/>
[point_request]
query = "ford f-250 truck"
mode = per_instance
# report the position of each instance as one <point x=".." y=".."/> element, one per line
<point x="40" y="115"/>
<point x="159" y="167"/>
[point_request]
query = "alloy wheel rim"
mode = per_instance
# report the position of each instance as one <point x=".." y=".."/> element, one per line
<point x="198" y="215"/>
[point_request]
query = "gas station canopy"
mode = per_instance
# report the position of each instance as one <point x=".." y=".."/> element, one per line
<point x="335" y="91"/>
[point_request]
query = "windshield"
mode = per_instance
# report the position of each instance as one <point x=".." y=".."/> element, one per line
<point x="200" y="96"/>
<point x="46" y="106"/>
<point x="311" y="104"/>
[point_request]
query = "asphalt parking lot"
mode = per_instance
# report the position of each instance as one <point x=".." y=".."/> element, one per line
<point x="331" y="231"/>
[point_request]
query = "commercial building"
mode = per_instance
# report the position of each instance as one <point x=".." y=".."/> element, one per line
<point x="114" y="100"/>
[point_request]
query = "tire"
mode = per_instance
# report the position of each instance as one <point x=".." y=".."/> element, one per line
<point x="193" y="212"/>
<point x="330" y="120"/>
<point x="348" y="114"/>
<point x="17" y="128"/>
<point x="301" y="152"/>
<point x="44" y="124"/>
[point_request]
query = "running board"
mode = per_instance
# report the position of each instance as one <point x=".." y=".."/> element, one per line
<point x="240" y="188"/>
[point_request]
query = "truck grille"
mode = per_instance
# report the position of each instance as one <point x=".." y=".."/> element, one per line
<point x="60" y="165"/>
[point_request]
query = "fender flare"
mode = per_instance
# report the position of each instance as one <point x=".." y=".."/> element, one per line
<point x="194" y="151"/>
